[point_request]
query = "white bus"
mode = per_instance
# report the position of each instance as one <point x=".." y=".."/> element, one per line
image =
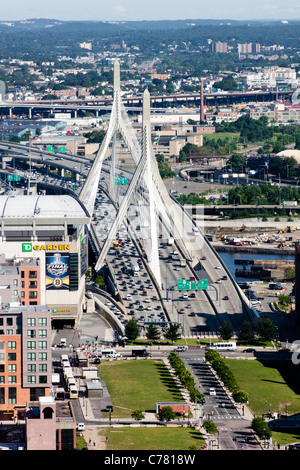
<point x="224" y="346"/>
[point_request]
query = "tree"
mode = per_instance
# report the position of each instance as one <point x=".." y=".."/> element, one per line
<point x="166" y="413"/>
<point x="237" y="163"/>
<point x="210" y="427"/>
<point x="226" y="331"/>
<point x="261" y="428"/>
<point x="239" y="396"/>
<point x="152" y="332"/>
<point x="137" y="415"/>
<point x="132" y="330"/>
<point x="289" y="273"/>
<point x="173" y="333"/>
<point x="95" y="137"/>
<point x="266" y="329"/>
<point x="246" y="333"/>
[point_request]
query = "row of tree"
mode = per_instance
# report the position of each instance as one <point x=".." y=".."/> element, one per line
<point x="153" y="333"/>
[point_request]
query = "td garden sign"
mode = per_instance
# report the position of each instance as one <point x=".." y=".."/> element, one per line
<point x="29" y="247"/>
<point x="57" y="264"/>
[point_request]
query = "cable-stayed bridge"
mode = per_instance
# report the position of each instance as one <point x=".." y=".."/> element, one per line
<point x="157" y="216"/>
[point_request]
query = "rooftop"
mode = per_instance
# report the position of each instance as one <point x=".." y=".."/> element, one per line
<point x="41" y="207"/>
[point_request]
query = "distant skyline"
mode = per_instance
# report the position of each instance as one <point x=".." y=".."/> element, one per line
<point x="136" y="10"/>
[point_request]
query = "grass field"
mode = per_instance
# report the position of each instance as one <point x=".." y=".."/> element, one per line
<point x="222" y="135"/>
<point x="271" y="385"/>
<point x="152" y="438"/>
<point x="138" y="384"/>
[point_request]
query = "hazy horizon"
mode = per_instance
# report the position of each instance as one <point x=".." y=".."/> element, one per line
<point x="134" y="10"/>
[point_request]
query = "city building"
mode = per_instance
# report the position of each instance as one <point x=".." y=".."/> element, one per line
<point x="248" y="48"/>
<point x="25" y="358"/>
<point x="50" y="425"/>
<point x="278" y="112"/>
<point x="219" y="47"/>
<point x="45" y="239"/>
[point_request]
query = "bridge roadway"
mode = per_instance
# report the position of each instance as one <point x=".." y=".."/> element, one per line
<point x="205" y="304"/>
<point x="105" y="103"/>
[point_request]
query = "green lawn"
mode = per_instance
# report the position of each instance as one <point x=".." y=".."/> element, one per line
<point x="142" y="438"/>
<point x="222" y="135"/>
<point x="138" y="384"/>
<point x="270" y="386"/>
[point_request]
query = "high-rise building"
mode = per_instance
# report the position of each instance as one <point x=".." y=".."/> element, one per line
<point x="220" y="47"/>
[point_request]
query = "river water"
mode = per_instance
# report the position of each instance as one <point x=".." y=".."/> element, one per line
<point x="229" y="260"/>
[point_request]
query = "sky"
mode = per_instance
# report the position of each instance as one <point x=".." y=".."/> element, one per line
<point x="133" y="10"/>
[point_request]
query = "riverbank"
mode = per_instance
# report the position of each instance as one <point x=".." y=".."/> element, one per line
<point x="221" y="248"/>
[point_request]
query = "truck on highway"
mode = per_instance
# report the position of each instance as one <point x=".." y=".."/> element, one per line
<point x="183" y="263"/>
<point x="142" y="352"/>
<point x="135" y="268"/>
<point x="171" y="241"/>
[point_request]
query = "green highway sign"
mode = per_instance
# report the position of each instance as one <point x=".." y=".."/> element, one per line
<point x="183" y="284"/>
<point x="121" y="180"/>
<point x="13" y="178"/>
<point x="50" y="149"/>
<point x="61" y="149"/>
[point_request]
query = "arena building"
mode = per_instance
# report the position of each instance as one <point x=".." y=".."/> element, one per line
<point x="45" y="237"/>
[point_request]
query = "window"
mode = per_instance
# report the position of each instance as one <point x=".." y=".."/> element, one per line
<point x="31" y="334"/>
<point x="32" y="284"/>
<point x="30" y="321"/>
<point x="9" y="332"/>
<point x="12" y="356"/>
<point x="2" y="357"/>
<point x="12" y="367"/>
<point x="15" y="292"/>
<point x="9" y="321"/>
<point x="43" y="356"/>
<point x="32" y="274"/>
<point x="33" y="294"/>
<point x="31" y="356"/>
<point x="31" y="344"/>
<point x="31" y="379"/>
<point x="42" y="344"/>
<point x="42" y="321"/>
<point x="11" y="345"/>
<point x="43" y="379"/>
<point x="12" y="379"/>
<point x="31" y="367"/>
<point x="12" y="395"/>
<point x="42" y="333"/>
<point x="42" y="367"/>
<point x="2" y="396"/>
<point x="2" y="381"/>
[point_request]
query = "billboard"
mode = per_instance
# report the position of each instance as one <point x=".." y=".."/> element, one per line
<point x="57" y="271"/>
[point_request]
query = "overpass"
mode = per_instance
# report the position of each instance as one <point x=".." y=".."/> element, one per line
<point x="134" y="104"/>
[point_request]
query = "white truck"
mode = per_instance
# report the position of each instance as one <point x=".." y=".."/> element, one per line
<point x="171" y="241"/>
